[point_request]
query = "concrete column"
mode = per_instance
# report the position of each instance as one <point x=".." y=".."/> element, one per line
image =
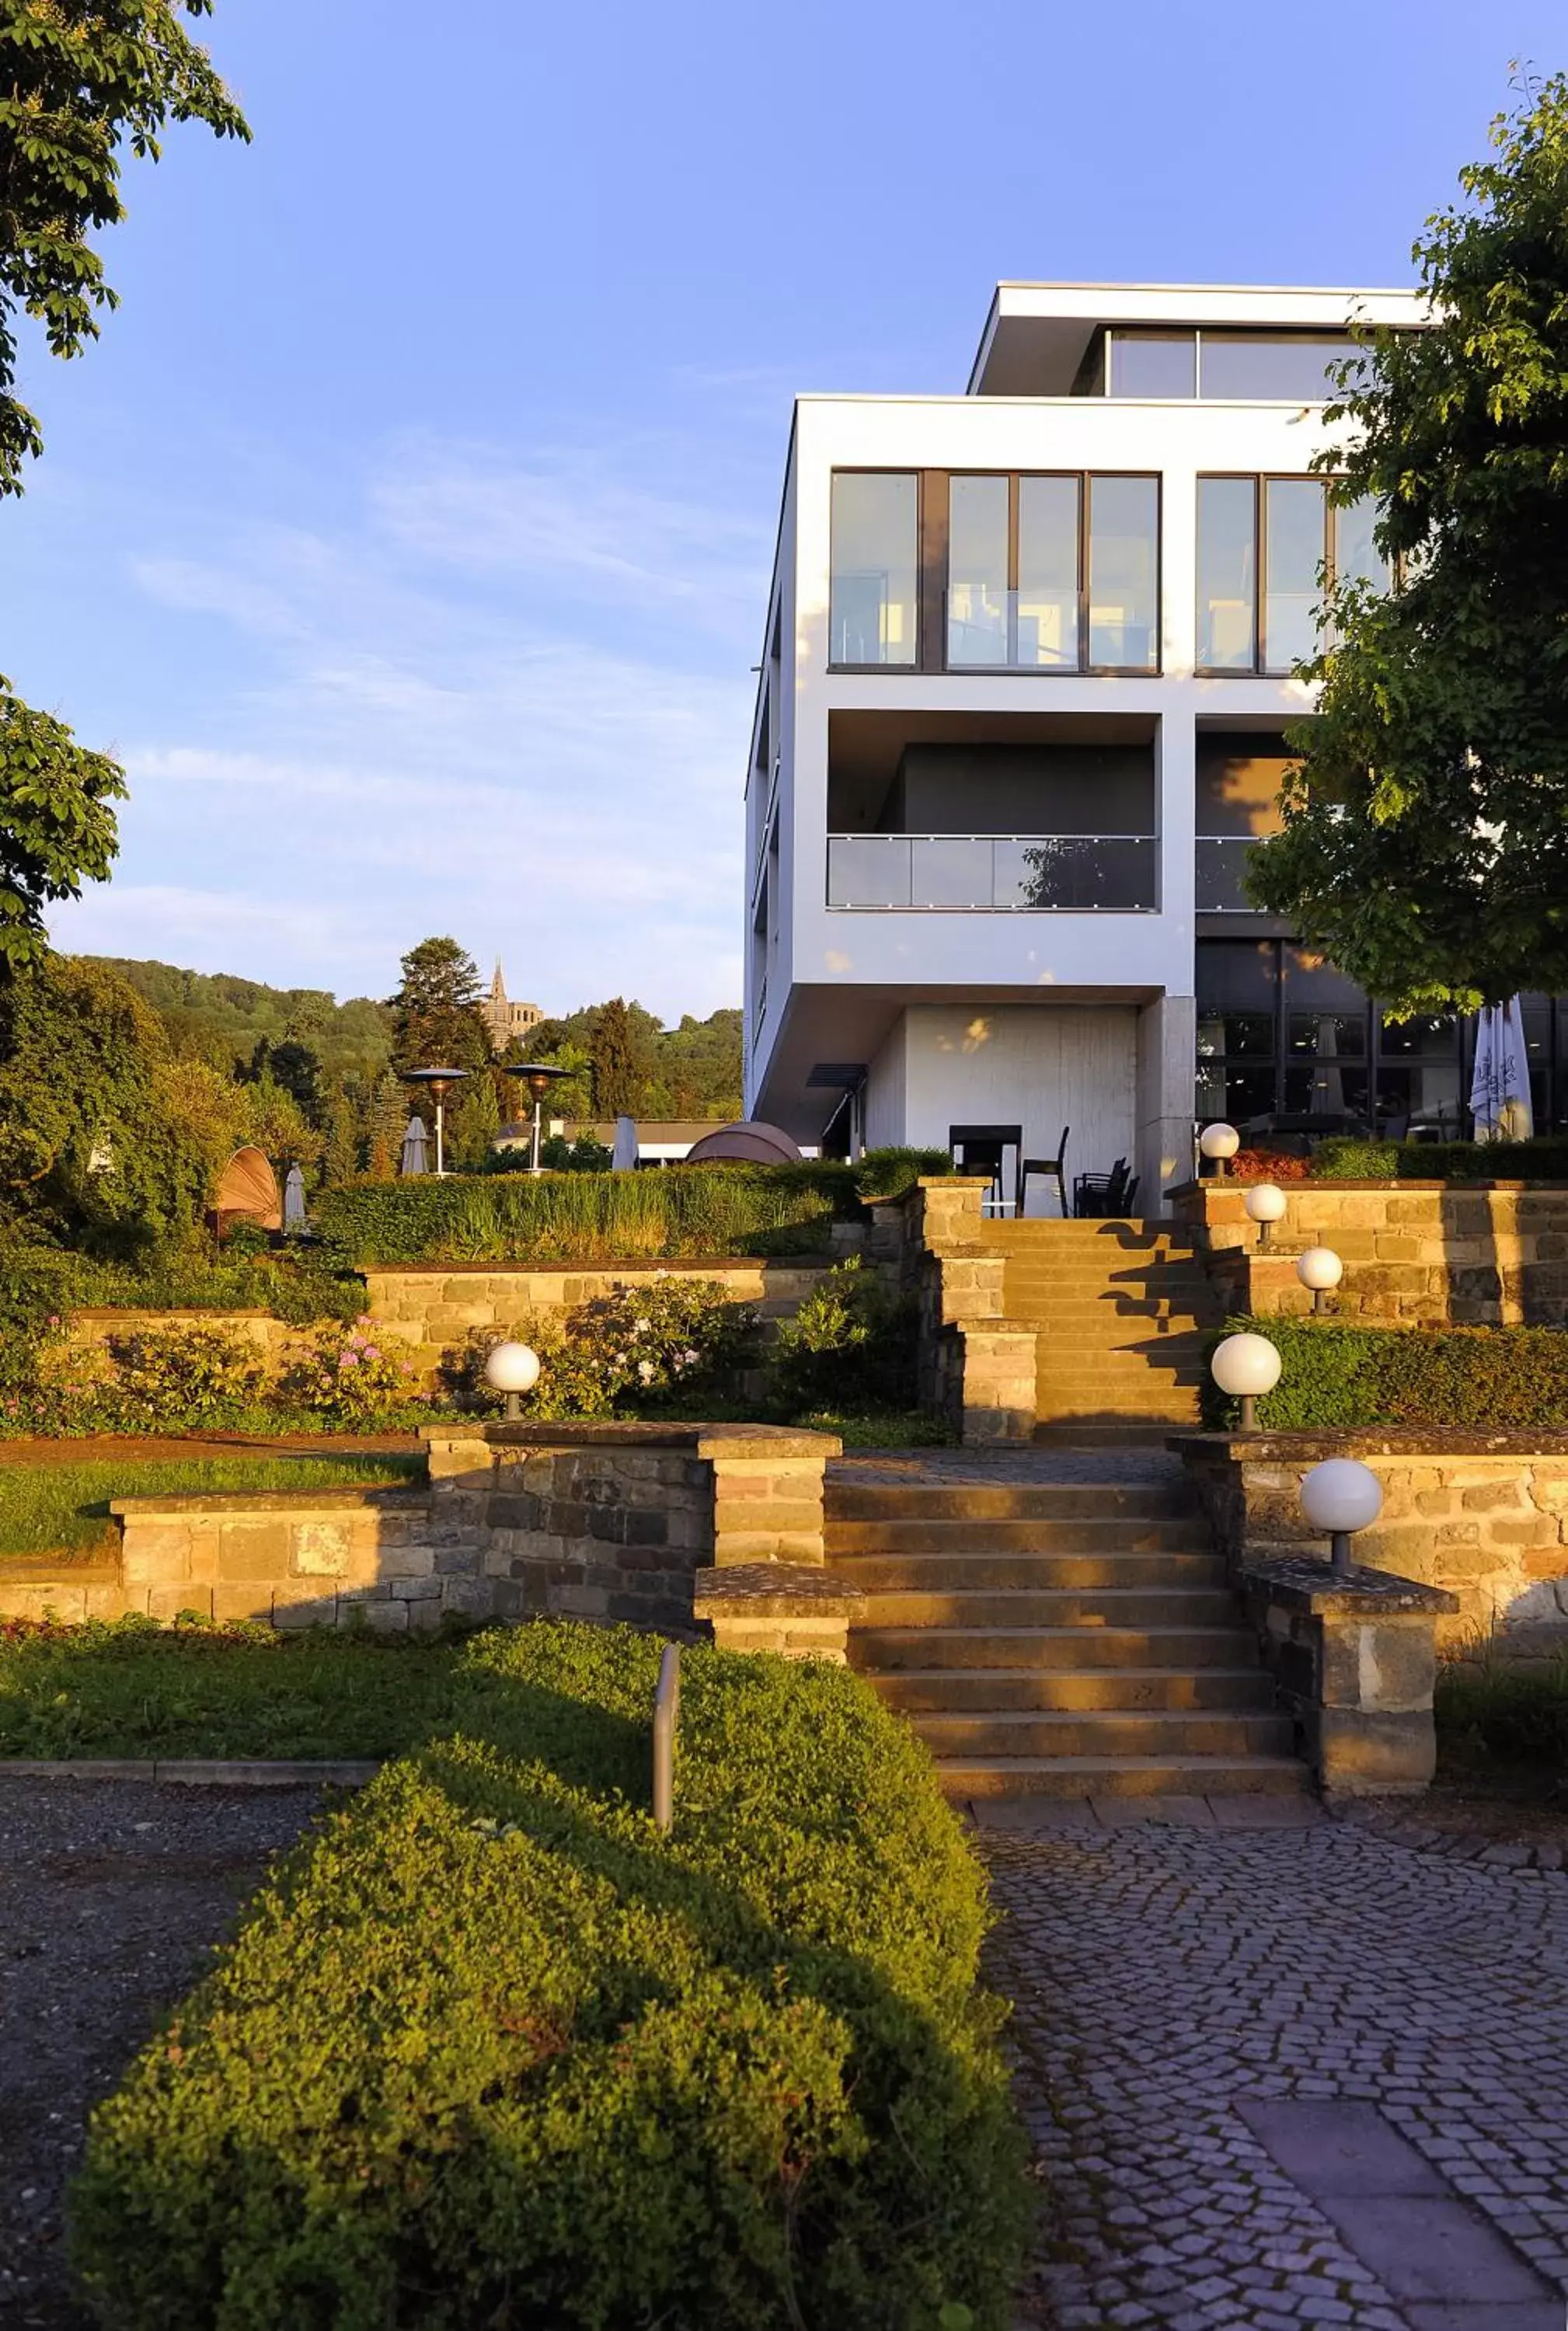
<point x="1167" y="1038"/>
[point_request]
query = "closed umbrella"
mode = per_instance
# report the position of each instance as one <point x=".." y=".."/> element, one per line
<point x="413" y="1147"/>
<point x="623" y="1156"/>
<point x="1500" y="1085"/>
<point x="294" y="1200"/>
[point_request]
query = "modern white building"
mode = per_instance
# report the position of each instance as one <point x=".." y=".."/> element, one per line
<point x="1025" y="672"/>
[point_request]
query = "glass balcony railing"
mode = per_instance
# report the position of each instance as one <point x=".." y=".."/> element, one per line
<point x="1222" y="859"/>
<point x="995" y="873"/>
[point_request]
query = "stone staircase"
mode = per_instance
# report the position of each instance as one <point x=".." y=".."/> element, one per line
<point x="1070" y="1636"/>
<point x="1124" y="1309"/>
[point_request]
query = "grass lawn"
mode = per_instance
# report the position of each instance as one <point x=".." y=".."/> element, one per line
<point x="64" y="1509"/>
<point x="1503" y="1724"/>
<point x="129" y="1688"/>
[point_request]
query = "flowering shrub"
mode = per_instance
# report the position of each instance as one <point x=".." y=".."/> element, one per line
<point x="640" y="1347"/>
<point x="191" y="1376"/>
<point x="48" y="1383"/>
<point x="1269" y="1166"/>
<point x="347" y="1375"/>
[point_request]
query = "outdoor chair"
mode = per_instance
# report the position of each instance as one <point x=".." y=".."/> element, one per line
<point x="982" y="1149"/>
<point x="1098" y="1196"/>
<point x="1052" y="1169"/>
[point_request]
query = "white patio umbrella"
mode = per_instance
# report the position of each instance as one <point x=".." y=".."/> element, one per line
<point x="294" y="1200"/>
<point x="415" y="1139"/>
<point x="1500" y="1085"/>
<point x="623" y="1156"/>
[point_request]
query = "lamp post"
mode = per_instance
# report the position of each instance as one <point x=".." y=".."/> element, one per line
<point x="536" y="1077"/>
<point x="1338" y="1497"/>
<point x="512" y="1369"/>
<point x="436" y="1083"/>
<point x="1265" y="1204"/>
<point x="1246" y="1366"/>
<point x="1218" y="1143"/>
<point x="1320" y="1269"/>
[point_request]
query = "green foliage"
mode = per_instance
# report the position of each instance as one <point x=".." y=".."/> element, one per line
<point x="78" y="85"/>
<point x="619" y="1071"/>
<point x="491" y="2033"/>
<point x="63" y="1506"/>
<point x="679" y="1210"/>
<point x="639" y="1349"/>
<point x="57" y="825"/>
<point x="879" y="1429"/>
<point x="888" y="1173"/>
<point x="583" y="1156"/>
<point x="1425" y="838"/>
<point x="1493" y="1709"/>
<point x="216" y="1017"/>
<point x="851" y="1347"/>
<point x="437" y="1022"/>
<point x="1337" y="1376"/>
<point x="185" y="1376"/>
<point x="692" y="1072"/>
<point x="1349" y="1160"/>
<point x="348" y="1376"/>
<point x="474" y="1125"/>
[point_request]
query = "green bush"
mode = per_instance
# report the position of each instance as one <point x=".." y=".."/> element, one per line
<point x="349" y="1376"/>
<point x="635" y="1351"/>
<point x="850" y="1346"/>
<point x="886" y="1173"/>
<point x="1343" y="1159"/>
<point x="184" y="1375"/>
<point x="493" y="2049"/>
<point x="682" y="1210"/>
<point x="1510" y="1712"/>
<point x="1337" y="1376"/>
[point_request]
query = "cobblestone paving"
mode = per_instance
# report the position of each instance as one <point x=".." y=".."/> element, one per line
<point x="1163" y="1974"/>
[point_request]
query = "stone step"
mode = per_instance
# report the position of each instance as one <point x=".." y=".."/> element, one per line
<point x="988" y="1690"/>
<point x="987" y="1501"/>
<point x="1057" y="1732"/>
<point x="1087" y="1434"/>
<point x="980" y="1571"/>
<point x="961" y="1534"/>
<point x="1122" y="1776"/>
<point x="1089" y="1609"/>
<point x="878" y="1647"/>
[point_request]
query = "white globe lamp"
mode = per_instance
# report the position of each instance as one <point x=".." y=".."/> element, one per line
<point x="1265" y="1203"/>
<point x="1339" y="1498"/>
<point x="1321" y="1269"/>
<point x="1246" y="1366"/>
<point x="512" y="1369"/>
<point x="1217" y="1143"/>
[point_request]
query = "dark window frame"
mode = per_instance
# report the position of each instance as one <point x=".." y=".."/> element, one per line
<point x="1084" y="480"/>
<point x="883" y="469"/>
<point x="1260" y="481"/>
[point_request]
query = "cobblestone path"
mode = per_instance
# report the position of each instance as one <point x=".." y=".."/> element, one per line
<point x="1171" y="1980"/>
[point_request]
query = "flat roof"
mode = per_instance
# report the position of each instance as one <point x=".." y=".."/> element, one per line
<point x="1036" y="334"/>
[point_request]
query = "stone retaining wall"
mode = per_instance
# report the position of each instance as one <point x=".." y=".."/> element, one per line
<point x="1420" y="1253"/>
<point x="974" y="1367"/>
<point x="1483" y="1515"/>
<point x="91" y="1329"/>
<point x="431" y="1309"/>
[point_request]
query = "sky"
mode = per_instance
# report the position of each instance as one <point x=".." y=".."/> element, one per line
<point x="407" y="533"/>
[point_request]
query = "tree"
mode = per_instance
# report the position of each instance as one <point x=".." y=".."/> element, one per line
<point x="436" y="1017"/>
<point x="80" y="81"/>
<point x="618" y="1076"/>
<point x="475" y="1122"/>
<point x="1425" y="839"/>
<point x="388" y="1116"/>
<point x="57" y="829"/>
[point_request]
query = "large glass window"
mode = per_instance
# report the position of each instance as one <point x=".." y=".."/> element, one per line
<point x="1228" y="574"/>
<point x="1154" y="364"/>
<point x="1124" y="519"/>
<point x="1294" y="548"/>
<point x="875" y="561"/>
<point x="977" y="571"/>
<point x="1357" y="556"/>
<point x="1048" y="580"/>
<point x="1267" y="365"/>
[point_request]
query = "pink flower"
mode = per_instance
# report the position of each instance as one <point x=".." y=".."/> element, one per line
<point x="371" y="1352"/>
<point x="348" y="1359"/>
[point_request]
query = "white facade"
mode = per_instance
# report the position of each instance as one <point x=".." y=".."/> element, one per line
<point x="931" y="1015"/>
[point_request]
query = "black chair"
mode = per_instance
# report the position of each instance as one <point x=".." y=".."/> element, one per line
<point x="1052" y="1169"/>
<point x="1098" y="1196"/>
<point x="982" y="1149"/>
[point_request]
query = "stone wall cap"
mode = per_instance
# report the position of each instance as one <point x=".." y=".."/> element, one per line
<point x="1395" y="1185"/>
<point x="776" y="1587"/>
<point x="167" y="1311"/>
<point x="38" y="1570"/>
<point x="710" y="1440"/>
<point x="275" y="1501"/>
<point x="1436" y="1440"/>
<point x="557" y="1267"/>
<point x="1300" y="1583"/>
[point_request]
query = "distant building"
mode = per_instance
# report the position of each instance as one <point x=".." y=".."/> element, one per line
<point x="505" y="1019"/>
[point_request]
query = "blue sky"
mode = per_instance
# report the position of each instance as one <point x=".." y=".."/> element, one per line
<point x="407" y="532"/>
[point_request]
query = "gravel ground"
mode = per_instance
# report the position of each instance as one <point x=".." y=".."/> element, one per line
<point x="111" y="1895"/>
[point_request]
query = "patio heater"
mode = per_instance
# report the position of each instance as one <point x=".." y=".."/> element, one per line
<point x="437" y="1083"/>
<point x="1338" y="1497"/>
<point x="536" y="1076"/>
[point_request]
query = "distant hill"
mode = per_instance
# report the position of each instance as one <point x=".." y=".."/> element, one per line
<point x="217" y="1017"/>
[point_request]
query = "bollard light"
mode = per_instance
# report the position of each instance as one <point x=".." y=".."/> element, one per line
<point x="1265" y="1203"/>
<point x="1246" y="1366"/>
<point x="1217" y="1143"/>
<point x="512" y="1369"/>
<point x="1340" y="1497"/>
<point x="1321" y="1269"/>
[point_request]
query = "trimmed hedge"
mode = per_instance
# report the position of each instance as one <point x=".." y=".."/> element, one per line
<point x="1340" y="1376"/>
<point x="1343" y="1159"/>
<point x="492" y="2050"/>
